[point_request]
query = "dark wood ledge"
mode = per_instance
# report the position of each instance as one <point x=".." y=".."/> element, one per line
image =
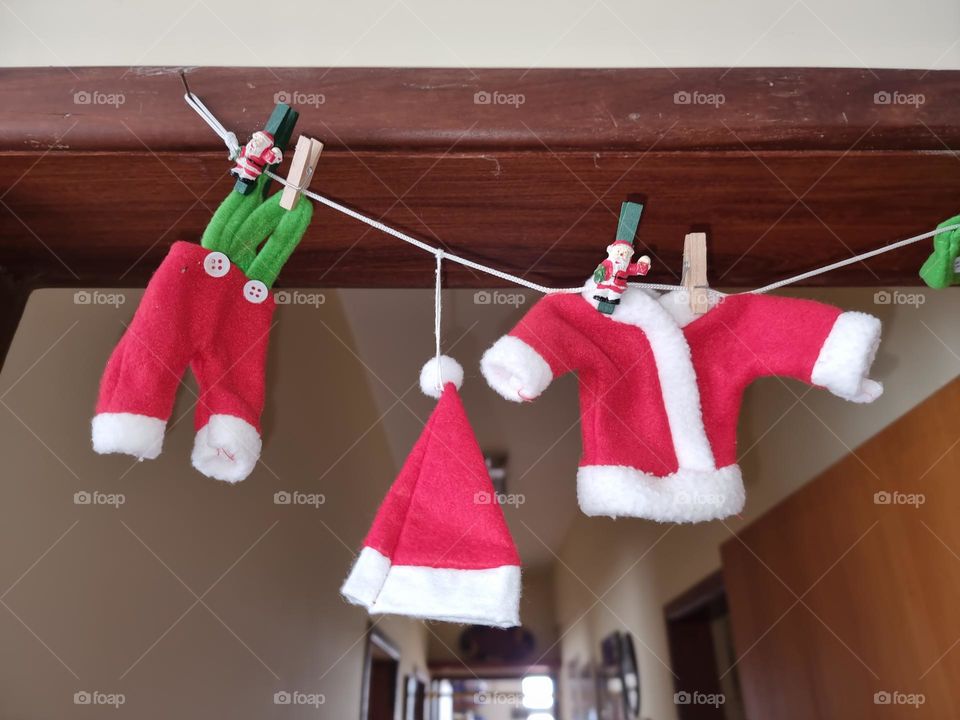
<point x="102" y="168"/>
<point x="429" y="109"/>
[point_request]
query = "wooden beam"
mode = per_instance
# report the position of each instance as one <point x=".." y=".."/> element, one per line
<point x="95" y="219"/>
<point x="793" y="169"/>
<point x="389" y="109"/>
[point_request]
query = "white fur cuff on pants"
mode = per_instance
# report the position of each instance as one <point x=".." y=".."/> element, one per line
<point x="226" y="448"/>
<point x="128" y="433"/>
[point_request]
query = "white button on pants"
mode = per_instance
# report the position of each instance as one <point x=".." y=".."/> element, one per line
<point x="255" y="291"/>
<point x="216" y="264"/>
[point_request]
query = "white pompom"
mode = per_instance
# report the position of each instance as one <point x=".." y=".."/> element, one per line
<point x="450" y="372"/>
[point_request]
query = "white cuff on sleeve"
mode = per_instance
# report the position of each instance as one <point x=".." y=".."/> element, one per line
<point x="846" y="357"/>
<point x="515" y="370"/>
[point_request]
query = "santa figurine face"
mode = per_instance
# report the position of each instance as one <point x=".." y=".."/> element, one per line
<point x="259" y="142"/>
<point x="620" y="253"/>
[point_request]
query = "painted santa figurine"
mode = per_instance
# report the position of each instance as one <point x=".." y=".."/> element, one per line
<point x="255" y="156"/>
<point x="612" y="275"/>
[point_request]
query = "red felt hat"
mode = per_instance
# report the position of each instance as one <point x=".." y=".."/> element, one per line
<point x="439" y="547"/>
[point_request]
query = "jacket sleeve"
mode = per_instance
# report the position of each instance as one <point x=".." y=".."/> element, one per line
<point x="521" y="364"/>
<point x="813" y="342"/>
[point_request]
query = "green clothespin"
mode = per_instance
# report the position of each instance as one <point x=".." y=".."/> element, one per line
<point x="611" y="279"/>
<point x="942" y="268"/>
<point x="629" y="220"/>
<point x="280" y="126"/>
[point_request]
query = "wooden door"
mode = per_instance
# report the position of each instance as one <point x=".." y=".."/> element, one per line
<point x="845" y="597"/>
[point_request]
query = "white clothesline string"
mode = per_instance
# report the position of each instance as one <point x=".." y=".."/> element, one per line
<point x="437" y="308"/>
<point x="233" y="146"/>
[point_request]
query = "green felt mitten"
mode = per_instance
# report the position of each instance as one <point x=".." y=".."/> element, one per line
<point x="942" y="268"/>
<point x="281" y="230"/>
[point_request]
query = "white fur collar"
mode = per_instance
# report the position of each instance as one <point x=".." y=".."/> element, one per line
<point x="674" y="302"/>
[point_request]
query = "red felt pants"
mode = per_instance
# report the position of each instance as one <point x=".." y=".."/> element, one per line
<point x="189" y="316"/>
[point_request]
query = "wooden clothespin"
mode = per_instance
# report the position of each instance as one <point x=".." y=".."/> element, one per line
<point x="305" y="159"/>
<point x="694" y="277"/>
<point x="280" y="126"/>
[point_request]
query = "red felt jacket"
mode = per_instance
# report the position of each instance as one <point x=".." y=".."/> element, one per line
<point x="660" y="390"/>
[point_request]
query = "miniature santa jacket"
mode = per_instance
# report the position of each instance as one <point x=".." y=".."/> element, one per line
<point x="660" y="389"/>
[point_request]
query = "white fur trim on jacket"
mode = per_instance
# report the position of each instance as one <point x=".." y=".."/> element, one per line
<point x="678" y="379"/>
<point x="128" y="433"/>
<point x="685" y="496"/>
<point x="677" y="303"/>
<point x="515" y="370"/>
<point x="226" y="448"/>
<point x="846" y="357"/>
<point x="484" y="597"/>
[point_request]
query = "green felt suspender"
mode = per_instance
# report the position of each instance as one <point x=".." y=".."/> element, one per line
<point x="280" y="229"/>
<point x="942" y="268"/>
<point x="243" y="222"/>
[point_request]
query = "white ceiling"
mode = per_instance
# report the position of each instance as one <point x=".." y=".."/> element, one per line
<point x="498" y="33"/>
<point x="393" y="334"/>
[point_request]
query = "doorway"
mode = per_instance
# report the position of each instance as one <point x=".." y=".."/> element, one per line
<point x="381" y="674"/>
<point x="701" y="653"/>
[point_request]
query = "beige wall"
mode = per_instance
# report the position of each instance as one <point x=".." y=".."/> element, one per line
<point x="497" y="33"/>
<point x="120" y="583"/>
<point x="636" y="567"/>
<point x="537" y="614"/>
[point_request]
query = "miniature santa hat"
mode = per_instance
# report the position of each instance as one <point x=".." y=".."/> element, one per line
<point x="439" y="547"/>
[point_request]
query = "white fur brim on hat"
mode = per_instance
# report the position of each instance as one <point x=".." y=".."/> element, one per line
<point x="432" y="383"/>
<point x="490" y="596"/>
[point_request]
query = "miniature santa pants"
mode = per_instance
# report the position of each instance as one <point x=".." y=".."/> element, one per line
<point x="200" y="310"/>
